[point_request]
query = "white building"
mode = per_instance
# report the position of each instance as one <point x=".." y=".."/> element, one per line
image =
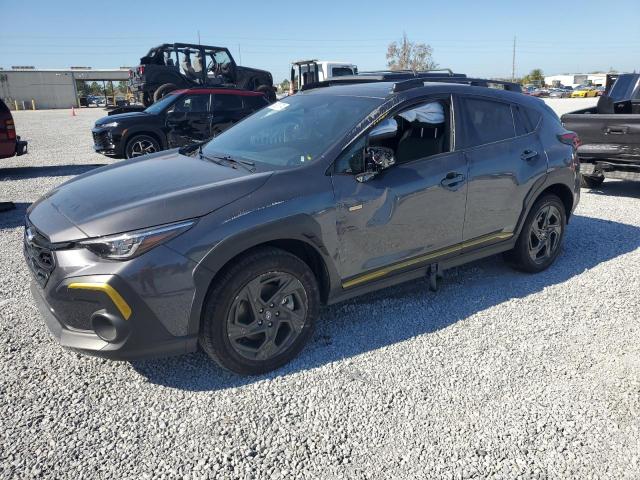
<point x="51" y="88"/>
<point x="575" y="79"/>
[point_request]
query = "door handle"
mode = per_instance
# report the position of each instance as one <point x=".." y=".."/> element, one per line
<point x="452" y="180"/>
<point x="528" y="155"/>
<point x="616" y="130"/>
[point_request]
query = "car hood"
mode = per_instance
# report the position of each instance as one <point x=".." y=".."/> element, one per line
<point x="152" y="190"/>
<point x="123" y="117"/>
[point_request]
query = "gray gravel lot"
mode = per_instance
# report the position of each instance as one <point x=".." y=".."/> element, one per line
<point x="498" y="375"/>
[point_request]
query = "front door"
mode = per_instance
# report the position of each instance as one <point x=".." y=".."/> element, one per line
<point x="189" y="120"/>
<point x="397" y="219"/>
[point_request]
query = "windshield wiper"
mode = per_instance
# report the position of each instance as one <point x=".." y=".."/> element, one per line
<point x="246" y="164"/>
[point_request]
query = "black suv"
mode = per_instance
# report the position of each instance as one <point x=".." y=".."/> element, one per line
<point x="181" y="118"/>
<point x="326" y="195"/>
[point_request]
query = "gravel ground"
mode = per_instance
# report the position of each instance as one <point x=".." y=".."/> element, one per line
<point x="498" y="375"/>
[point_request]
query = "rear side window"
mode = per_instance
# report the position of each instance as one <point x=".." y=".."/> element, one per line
<point x="486" y="121"/>
<point x="525" y="119"/>
<point x="255" y="102"/>
<point x="227" y="102"/>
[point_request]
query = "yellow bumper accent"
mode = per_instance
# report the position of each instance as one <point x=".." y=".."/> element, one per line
<point x="367" y="277"/>
<point x="111" y="292"/>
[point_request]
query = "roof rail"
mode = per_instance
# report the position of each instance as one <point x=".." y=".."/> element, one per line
<point x="404" y="81"/>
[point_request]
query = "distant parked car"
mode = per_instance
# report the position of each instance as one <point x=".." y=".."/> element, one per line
<point x="182" y="118"/>
<point x="10" y="143"/>
<point x="559" y="93"/>
<point x="600" y="90"/>
<point x="540" y="92"/>
<point x="584" y="91"/>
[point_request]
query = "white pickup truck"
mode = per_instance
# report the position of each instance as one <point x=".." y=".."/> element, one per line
<point x="311" y="71"/>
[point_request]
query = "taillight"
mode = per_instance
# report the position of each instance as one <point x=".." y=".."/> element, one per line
<point x="11" y="129"/>
<point x="570" y="138"/>
<point x="141" y="70"/>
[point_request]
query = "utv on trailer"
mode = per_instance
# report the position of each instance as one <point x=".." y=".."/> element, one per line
<point x="172" y="66"/>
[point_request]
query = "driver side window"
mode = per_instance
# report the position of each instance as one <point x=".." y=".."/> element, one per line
<point x="423" y="131"/>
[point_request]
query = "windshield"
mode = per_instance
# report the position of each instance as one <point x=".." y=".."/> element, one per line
<point x="160" y="105"/>
<point x="293" y="131"/>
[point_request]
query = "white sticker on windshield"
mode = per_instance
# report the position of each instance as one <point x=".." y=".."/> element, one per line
<point x="278" y="106"/>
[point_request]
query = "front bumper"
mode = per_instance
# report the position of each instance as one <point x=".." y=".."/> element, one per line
<point x="141" y="336"/>
<point x="118" y="310"/>
<point x="106" y="141"/>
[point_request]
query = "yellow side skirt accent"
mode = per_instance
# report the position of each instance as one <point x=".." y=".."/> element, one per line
<point x="111" y="292"/>
<point x="367" y="277"/>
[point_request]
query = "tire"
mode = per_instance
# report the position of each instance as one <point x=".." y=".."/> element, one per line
<point x="162" y="90"/>
<point x="591" y="181"/>
<point x="139" y="145"/>
<point x="534" y="234"/>
<point x="147" y="99"/>
<point x="268" y="92"/>
<point x="267" y="336"/>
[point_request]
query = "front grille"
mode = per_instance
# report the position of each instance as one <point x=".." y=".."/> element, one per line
<point x="101" y="139"/>
<point x="38" y="255"/>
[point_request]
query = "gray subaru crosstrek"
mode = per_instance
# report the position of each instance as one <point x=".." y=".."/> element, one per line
<point x="328" y="194"/>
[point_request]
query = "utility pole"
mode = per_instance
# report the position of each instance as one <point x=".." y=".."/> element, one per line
<point x="199" y="38"/>
<point x="513" y="61"/>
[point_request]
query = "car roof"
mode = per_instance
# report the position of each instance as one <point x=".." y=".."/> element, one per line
<point x="384" y="90"/>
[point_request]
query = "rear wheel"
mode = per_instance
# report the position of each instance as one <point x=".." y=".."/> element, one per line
<point x="162" y="90"/>
<point x="141" y="145"/>
<point x="260" y="313"/>
<point x="541" y="237"/>
<point x="268" y="92"/>
<point x="591" y="181"/>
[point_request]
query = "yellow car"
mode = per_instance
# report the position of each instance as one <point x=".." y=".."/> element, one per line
<point x="583" y="92"/>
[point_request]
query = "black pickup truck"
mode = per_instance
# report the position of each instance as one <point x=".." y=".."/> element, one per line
<point x="609" y="133"/>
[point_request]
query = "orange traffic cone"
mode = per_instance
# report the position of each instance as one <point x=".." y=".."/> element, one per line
<point x="73" y="111"/>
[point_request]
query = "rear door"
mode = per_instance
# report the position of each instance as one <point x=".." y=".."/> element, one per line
<point x="189" y="120"/>
<point x="505" y="157"/>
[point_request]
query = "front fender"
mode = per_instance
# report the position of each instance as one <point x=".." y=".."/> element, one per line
<point x="268" y="215"/>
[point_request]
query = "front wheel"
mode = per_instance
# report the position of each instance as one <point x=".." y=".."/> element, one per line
<point x="541" y="237"/>
<point x="260" y="313"/>
<point x="141" y="145"/>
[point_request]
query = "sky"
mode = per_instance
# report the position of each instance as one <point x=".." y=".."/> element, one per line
<point x="467" y="36"/>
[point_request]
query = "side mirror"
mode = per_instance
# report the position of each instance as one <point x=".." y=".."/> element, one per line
<point x="376" y="159"/>
<point x="388" y="128"/>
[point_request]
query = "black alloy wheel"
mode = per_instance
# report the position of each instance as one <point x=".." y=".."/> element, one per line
<point x="545" y="234"/>
<point x="267" y="316"/>
<point x="141" y="145"/>
<point x="260" y="312"/>
<point x="541" y="236"/>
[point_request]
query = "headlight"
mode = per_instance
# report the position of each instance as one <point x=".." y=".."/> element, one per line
<point x="109" y="125"/>
<point x="124" y="246"/>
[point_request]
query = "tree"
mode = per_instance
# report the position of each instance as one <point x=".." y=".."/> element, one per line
<point x="284" y="86"/>
<point x="536" y="76"/>
<point x="123" y="87"/>
<point x="407" y="55"/>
